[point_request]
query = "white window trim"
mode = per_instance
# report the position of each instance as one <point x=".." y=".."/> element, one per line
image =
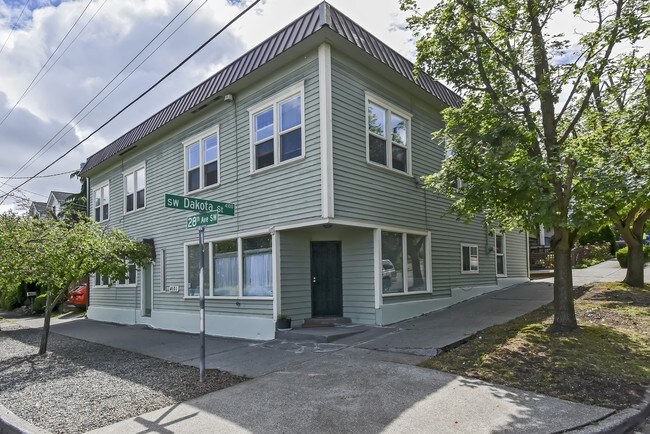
<point x="112" y="284"/>
<point x="391" y="108"/>
<point x="275" y="101"/>
<point x="240" y="261"/>
<point x="427" y="258"/>
<point x="97" y="188"/>
<point x="505" y="264"/>
<point x="131" y="171"/>
<point x="192" y="140"/>
<point x="478" y="265"/>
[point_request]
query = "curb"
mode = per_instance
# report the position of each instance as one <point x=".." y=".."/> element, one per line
<point x="621" y="421"/>
<point x="12" y="424"/>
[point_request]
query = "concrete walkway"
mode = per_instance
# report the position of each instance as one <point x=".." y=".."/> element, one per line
<point x="367" y="382"/>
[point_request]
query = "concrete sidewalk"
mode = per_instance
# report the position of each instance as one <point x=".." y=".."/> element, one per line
<point x="367" y="382"/>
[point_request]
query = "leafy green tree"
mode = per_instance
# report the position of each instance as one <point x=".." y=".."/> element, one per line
<point x="525" y="91"/>
<point x="57" y="254"/>
<point x="614" y="136"/>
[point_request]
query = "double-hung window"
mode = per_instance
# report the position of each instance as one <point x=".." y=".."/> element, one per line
<point x="202" y="164"/>
<point x="388" y="135"/>
<point x="469" y="258"/>
<point x="239" y="267"/>
<point x="277" y="130"/>
<point x="134" y="189"/>
<point x="404" y="262"/>
<point x="101" y="200"/>
<point x="129" y="278"/>
<point x="500" y="254"/>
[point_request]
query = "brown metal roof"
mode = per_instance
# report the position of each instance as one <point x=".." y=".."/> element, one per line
<point x="314" y="20"/>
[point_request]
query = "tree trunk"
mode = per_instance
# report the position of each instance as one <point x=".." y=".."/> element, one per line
<point x="564" y="318"/>
<point x="46" y="322"/>
<point x="635" y="264"/>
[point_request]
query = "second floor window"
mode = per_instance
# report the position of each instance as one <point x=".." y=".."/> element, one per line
<point x="202" y="162"/>
<point x="388" y="137"/>
<point x="277" y="131"/>
<point x="101" y="203"/>
<point x="134" y="189"/>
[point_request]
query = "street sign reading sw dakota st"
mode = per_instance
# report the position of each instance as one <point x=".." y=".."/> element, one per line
<point x="208" y="218"/>
<point x="198" y="205"/>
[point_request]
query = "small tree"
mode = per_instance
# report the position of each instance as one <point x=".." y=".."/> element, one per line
<point x="58" y="253"/>
<point x="525" y="91"/>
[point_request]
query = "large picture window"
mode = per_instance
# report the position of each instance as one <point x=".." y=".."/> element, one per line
<point x="129" y="279"/>
<point x="388" y="136"/>
<point x="202" y="165"/>
<point x="237" y="268"/>
<point x="403" y="262"/>
<point x="469" y="258"/>
<point x="101" y="203"/>
<point x="134" y="190"/>
<point x="277" y="130"/>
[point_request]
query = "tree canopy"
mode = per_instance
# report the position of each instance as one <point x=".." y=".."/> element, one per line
<point x="514" y="140"/>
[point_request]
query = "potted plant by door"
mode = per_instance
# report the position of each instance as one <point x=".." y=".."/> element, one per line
<point x="283" y="322"/>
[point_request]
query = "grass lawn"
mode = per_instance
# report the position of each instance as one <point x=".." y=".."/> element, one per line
<point x="605" y="362"/>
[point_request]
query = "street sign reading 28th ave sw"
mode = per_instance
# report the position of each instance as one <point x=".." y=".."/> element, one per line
<point x="209" y="218"/>
<point x="198" y="205"/>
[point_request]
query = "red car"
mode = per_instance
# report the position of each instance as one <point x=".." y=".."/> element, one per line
<point x="79" y="296"/>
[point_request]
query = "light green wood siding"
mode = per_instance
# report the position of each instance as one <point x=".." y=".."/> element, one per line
<point x="516" y="255"/>
<point x="280" y="195"/>
<point x="357" y="272"/>
<point x="365" y="192"/>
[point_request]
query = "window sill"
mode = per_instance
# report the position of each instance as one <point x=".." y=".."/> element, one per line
<point x="115" y="286"/>
<point x="202" y="190"/>
<point x="469" y="272"/>
<point x="127" y="213"/>
<point x="225" y="297"/>
<point x="400" y="294"/>
<point x="388" y="169"/>
<point x="277" y="166"/>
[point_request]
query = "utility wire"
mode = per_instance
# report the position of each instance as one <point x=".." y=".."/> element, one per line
<point x="29" y="87"/>
<point x="176" y="68"/>
<point x="42" y="176"/>
<point x="14" y="26"/>
<point x="54" y="140"/>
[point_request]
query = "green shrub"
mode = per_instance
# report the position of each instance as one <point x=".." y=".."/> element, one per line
<point x="621" y="255"/>
<point x="591" y="254"/>
<point x="38" y="307"/>
<point x="603" y="235"/>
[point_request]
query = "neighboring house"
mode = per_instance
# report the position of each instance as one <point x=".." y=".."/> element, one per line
<point x="38" y="209"/>
<point x="56" y="200"/>
<point x="319" y="136"/>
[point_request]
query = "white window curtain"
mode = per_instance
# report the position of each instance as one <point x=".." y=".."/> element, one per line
<point x="258" y="273"/>
<point x="226" y="275"/>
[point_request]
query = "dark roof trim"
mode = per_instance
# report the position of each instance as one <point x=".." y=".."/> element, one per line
<point x="322" y="16"/>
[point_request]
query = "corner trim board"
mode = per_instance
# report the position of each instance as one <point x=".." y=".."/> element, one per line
<point x="325" y="109"/>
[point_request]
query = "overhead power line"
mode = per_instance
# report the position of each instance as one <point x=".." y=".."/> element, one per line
<point x="41" y="176"/>
<point x="29" y="87"/>
<point x="14" y="26"/>
<point x="54" y="140"/>
<point x="139" y="97"/>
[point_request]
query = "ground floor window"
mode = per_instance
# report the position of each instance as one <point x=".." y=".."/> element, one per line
<point x="129" y="278"/>
<point x="239" y="267"/>
<point x="403" y="263"/>
<point x="500" y="254"/>
<point x="469" y="258"/>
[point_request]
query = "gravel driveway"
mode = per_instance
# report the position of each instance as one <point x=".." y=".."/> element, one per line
<point x="78" y="386"/>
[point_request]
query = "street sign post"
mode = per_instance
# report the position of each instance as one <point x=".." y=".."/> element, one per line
<point x="210" y="211"/>
<point x="209" y="218"/>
